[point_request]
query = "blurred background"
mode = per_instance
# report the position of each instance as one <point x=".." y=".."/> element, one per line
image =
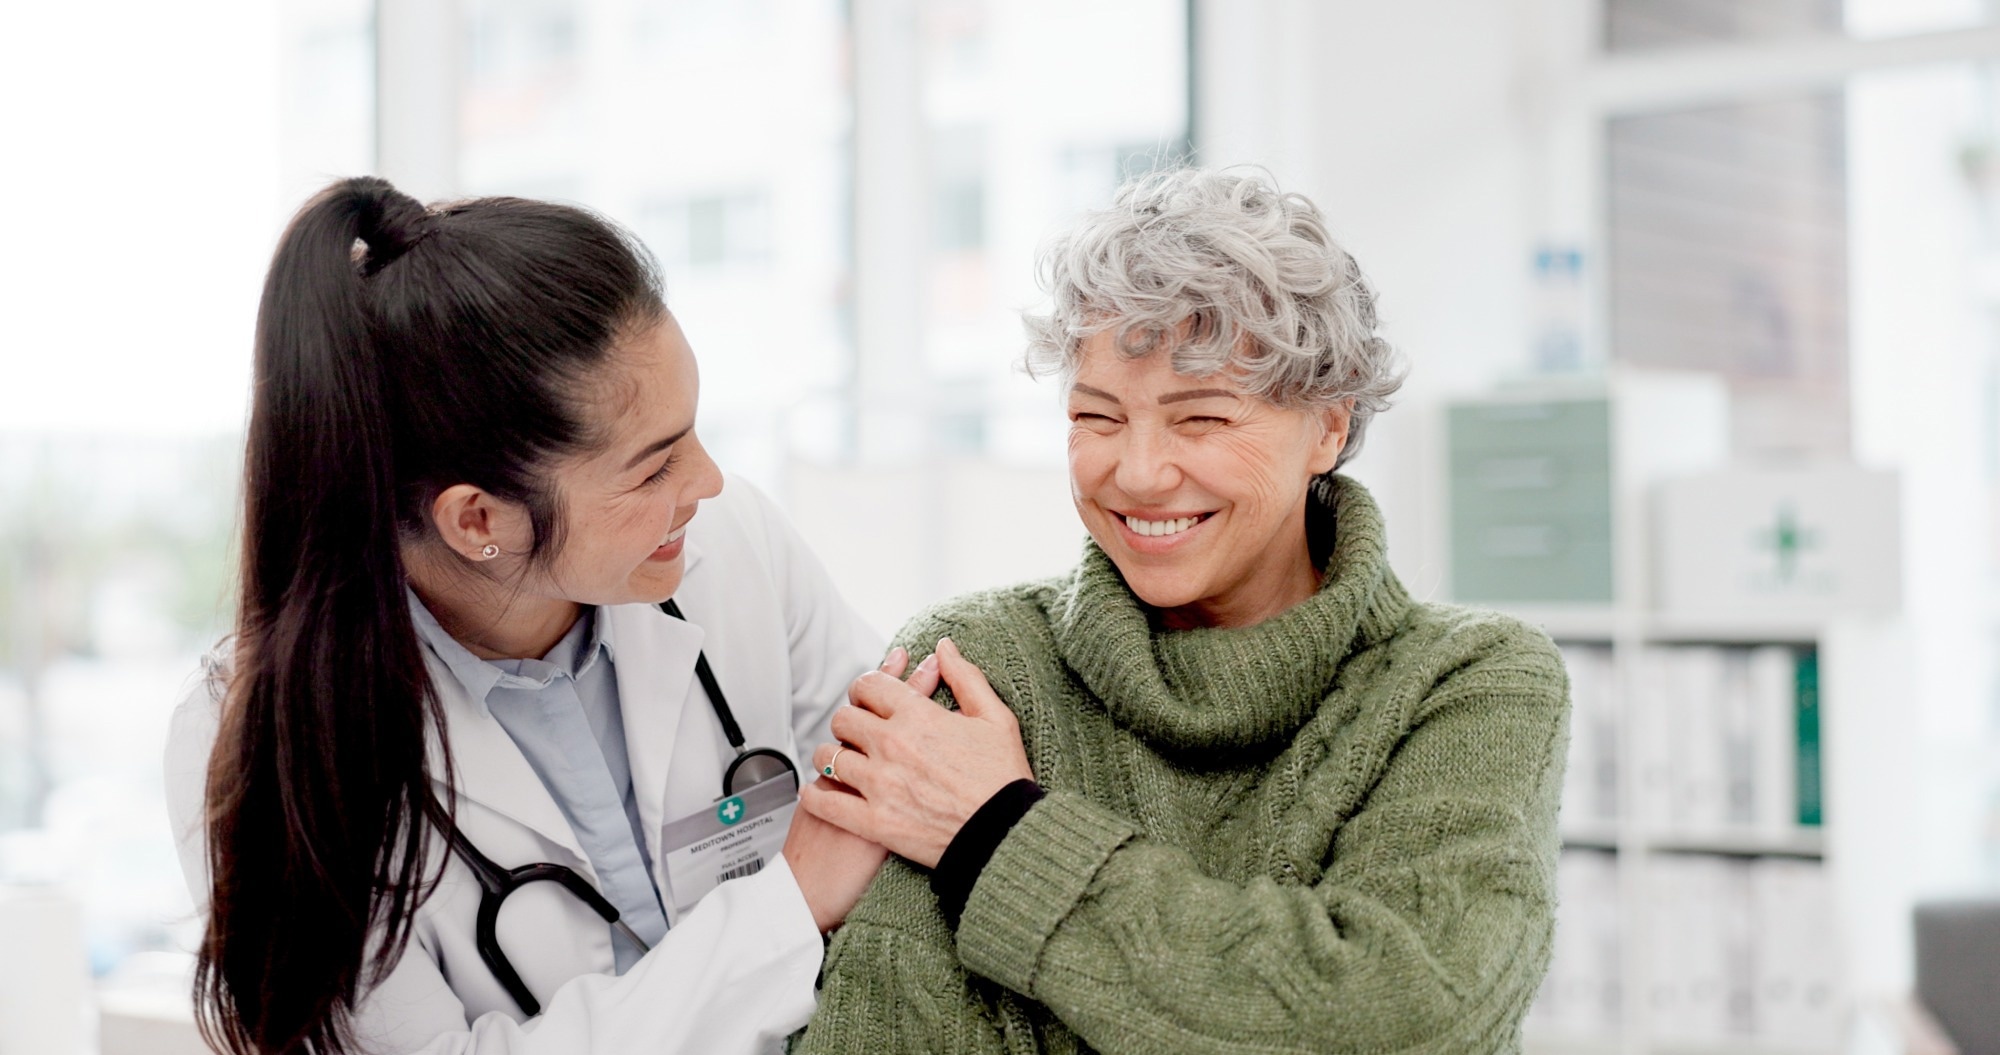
<point x="1699" y="298"/>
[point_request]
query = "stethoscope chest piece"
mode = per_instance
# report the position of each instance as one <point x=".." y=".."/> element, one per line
<point x="751" y="766"/>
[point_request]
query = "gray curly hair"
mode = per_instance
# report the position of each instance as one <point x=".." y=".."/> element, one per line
<point x="1228" y="272"/>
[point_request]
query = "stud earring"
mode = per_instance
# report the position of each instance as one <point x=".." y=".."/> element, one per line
<point x="489" y="551"/>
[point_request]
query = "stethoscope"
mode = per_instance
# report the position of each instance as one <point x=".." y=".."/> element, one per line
<point x="752" y="766"/>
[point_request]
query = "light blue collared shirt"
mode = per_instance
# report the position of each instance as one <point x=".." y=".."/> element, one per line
<point x="563" y="712"/>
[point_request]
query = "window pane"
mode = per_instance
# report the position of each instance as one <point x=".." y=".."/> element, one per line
<point x="1643" y="25"/>
<point x="1034" y="110"/>
<point x="718" y="132"/>
<point x="1892" y="18"/>
<point x="1648" y="25"/>
<point x="163" y="155"/>
<point x="1729" y="254"/>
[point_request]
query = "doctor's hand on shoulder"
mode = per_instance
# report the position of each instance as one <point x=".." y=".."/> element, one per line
<point x="834" y="866"/>
<point x="910" y="774"/>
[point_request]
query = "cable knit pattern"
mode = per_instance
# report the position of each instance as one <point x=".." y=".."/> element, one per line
<point x="1334" y="831"/>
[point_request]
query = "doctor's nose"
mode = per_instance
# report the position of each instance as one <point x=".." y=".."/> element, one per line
<point x="708" y="475"/>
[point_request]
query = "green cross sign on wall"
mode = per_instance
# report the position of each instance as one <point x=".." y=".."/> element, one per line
<point x="1787" y="539"/>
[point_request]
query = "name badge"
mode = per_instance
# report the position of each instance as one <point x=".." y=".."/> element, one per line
<point x="735" y="837"/>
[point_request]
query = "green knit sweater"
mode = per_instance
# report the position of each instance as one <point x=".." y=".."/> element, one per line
<point x="1333" y="831"/>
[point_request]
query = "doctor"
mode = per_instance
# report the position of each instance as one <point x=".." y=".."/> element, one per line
<point x="460" y="782"/>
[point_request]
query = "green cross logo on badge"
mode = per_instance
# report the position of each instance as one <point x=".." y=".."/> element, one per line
<point x="731" y="810"/>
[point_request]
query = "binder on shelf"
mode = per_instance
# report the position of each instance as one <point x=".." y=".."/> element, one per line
<point x="1773" y="687"/>
<point x="1656" y="712"/>
<point x="1741" y="948"/>
<point x="1581" y="997"/>
<point x="1728" y="746"/>
<point x="1590" y="788"/>
<point x="1700" y="924"/>
<point x="1736" y="707"/>
<point x="1696" y="786"/>
<point x="1671" y="915"/>
<point x="1811" y="812"/>
<point x="1799" y="999"/>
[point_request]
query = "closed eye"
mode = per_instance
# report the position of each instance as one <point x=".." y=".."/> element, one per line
<point x="666" y="467"/>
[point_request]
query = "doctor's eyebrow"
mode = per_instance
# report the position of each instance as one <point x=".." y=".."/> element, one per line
<point x="656" y="447"/>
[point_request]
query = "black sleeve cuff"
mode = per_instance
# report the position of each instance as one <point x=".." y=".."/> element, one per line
<point x="958" y="869"/>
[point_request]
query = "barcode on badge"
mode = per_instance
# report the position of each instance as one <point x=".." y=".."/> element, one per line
<point x="747" y="868"/>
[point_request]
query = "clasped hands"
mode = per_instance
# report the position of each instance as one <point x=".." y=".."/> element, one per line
<point x="911" y="773"/>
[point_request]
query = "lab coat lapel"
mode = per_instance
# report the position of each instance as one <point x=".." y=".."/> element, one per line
<point x="490" y="769"/>
<point x="655" y="656"/>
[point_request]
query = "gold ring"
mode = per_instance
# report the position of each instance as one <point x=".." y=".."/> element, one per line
<point x="835" y="757"/>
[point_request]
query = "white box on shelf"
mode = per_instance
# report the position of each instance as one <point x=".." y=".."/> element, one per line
<point x="1691" y="957"/>
<point x="1800" y="1000"/>
<point x="1696" y="771"/>
<point x="1783" y="544"/>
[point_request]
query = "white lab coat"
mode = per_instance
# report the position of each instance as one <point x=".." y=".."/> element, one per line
<point x="736" y="973"/>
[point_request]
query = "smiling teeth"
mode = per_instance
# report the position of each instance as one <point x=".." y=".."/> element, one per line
<point x="1161" y="527"/>
<point x="676" y="536"/>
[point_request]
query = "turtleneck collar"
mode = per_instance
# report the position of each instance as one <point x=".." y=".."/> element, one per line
<point x="1239" y="689"/>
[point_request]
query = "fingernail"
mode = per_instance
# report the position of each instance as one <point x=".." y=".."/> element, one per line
<point x="929" y="664"/>
<point x="894" y="654"/>
<point x="945" y="642"/>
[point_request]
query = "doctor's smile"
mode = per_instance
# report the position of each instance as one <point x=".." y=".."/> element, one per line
<point x="671" y="549"/>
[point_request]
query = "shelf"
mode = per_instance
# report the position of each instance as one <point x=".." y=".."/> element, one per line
<point x="1732" y="628"/>
<point x="1599" y="623"/>
<point x="1567" y="622"/>
<point x="1598" y="836"/>
<point x="1537" y="1042"/>
<point x="1744" y="1046"/>
<point x="1806" y="842"/>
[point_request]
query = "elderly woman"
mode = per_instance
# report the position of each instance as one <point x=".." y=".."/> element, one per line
<point x="1258" y="799"/>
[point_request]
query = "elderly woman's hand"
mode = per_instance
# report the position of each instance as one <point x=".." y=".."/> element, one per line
<point x="910" y="773"/>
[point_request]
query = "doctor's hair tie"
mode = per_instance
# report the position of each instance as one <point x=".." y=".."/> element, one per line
<point x="383" y="252"/>
<point x="389" y="223"/>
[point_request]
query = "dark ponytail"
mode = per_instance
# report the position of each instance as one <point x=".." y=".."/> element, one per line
<point x="398" y="352"/>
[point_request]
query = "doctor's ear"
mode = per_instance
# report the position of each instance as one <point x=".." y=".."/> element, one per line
<point x="478" y="526"/>
<point x="1334" y="421"/>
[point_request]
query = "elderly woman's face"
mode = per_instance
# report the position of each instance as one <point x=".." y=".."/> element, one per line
<point x="1194" y="488"/>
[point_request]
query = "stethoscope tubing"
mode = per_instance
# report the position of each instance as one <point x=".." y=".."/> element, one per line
<point x="496" y="883"/>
